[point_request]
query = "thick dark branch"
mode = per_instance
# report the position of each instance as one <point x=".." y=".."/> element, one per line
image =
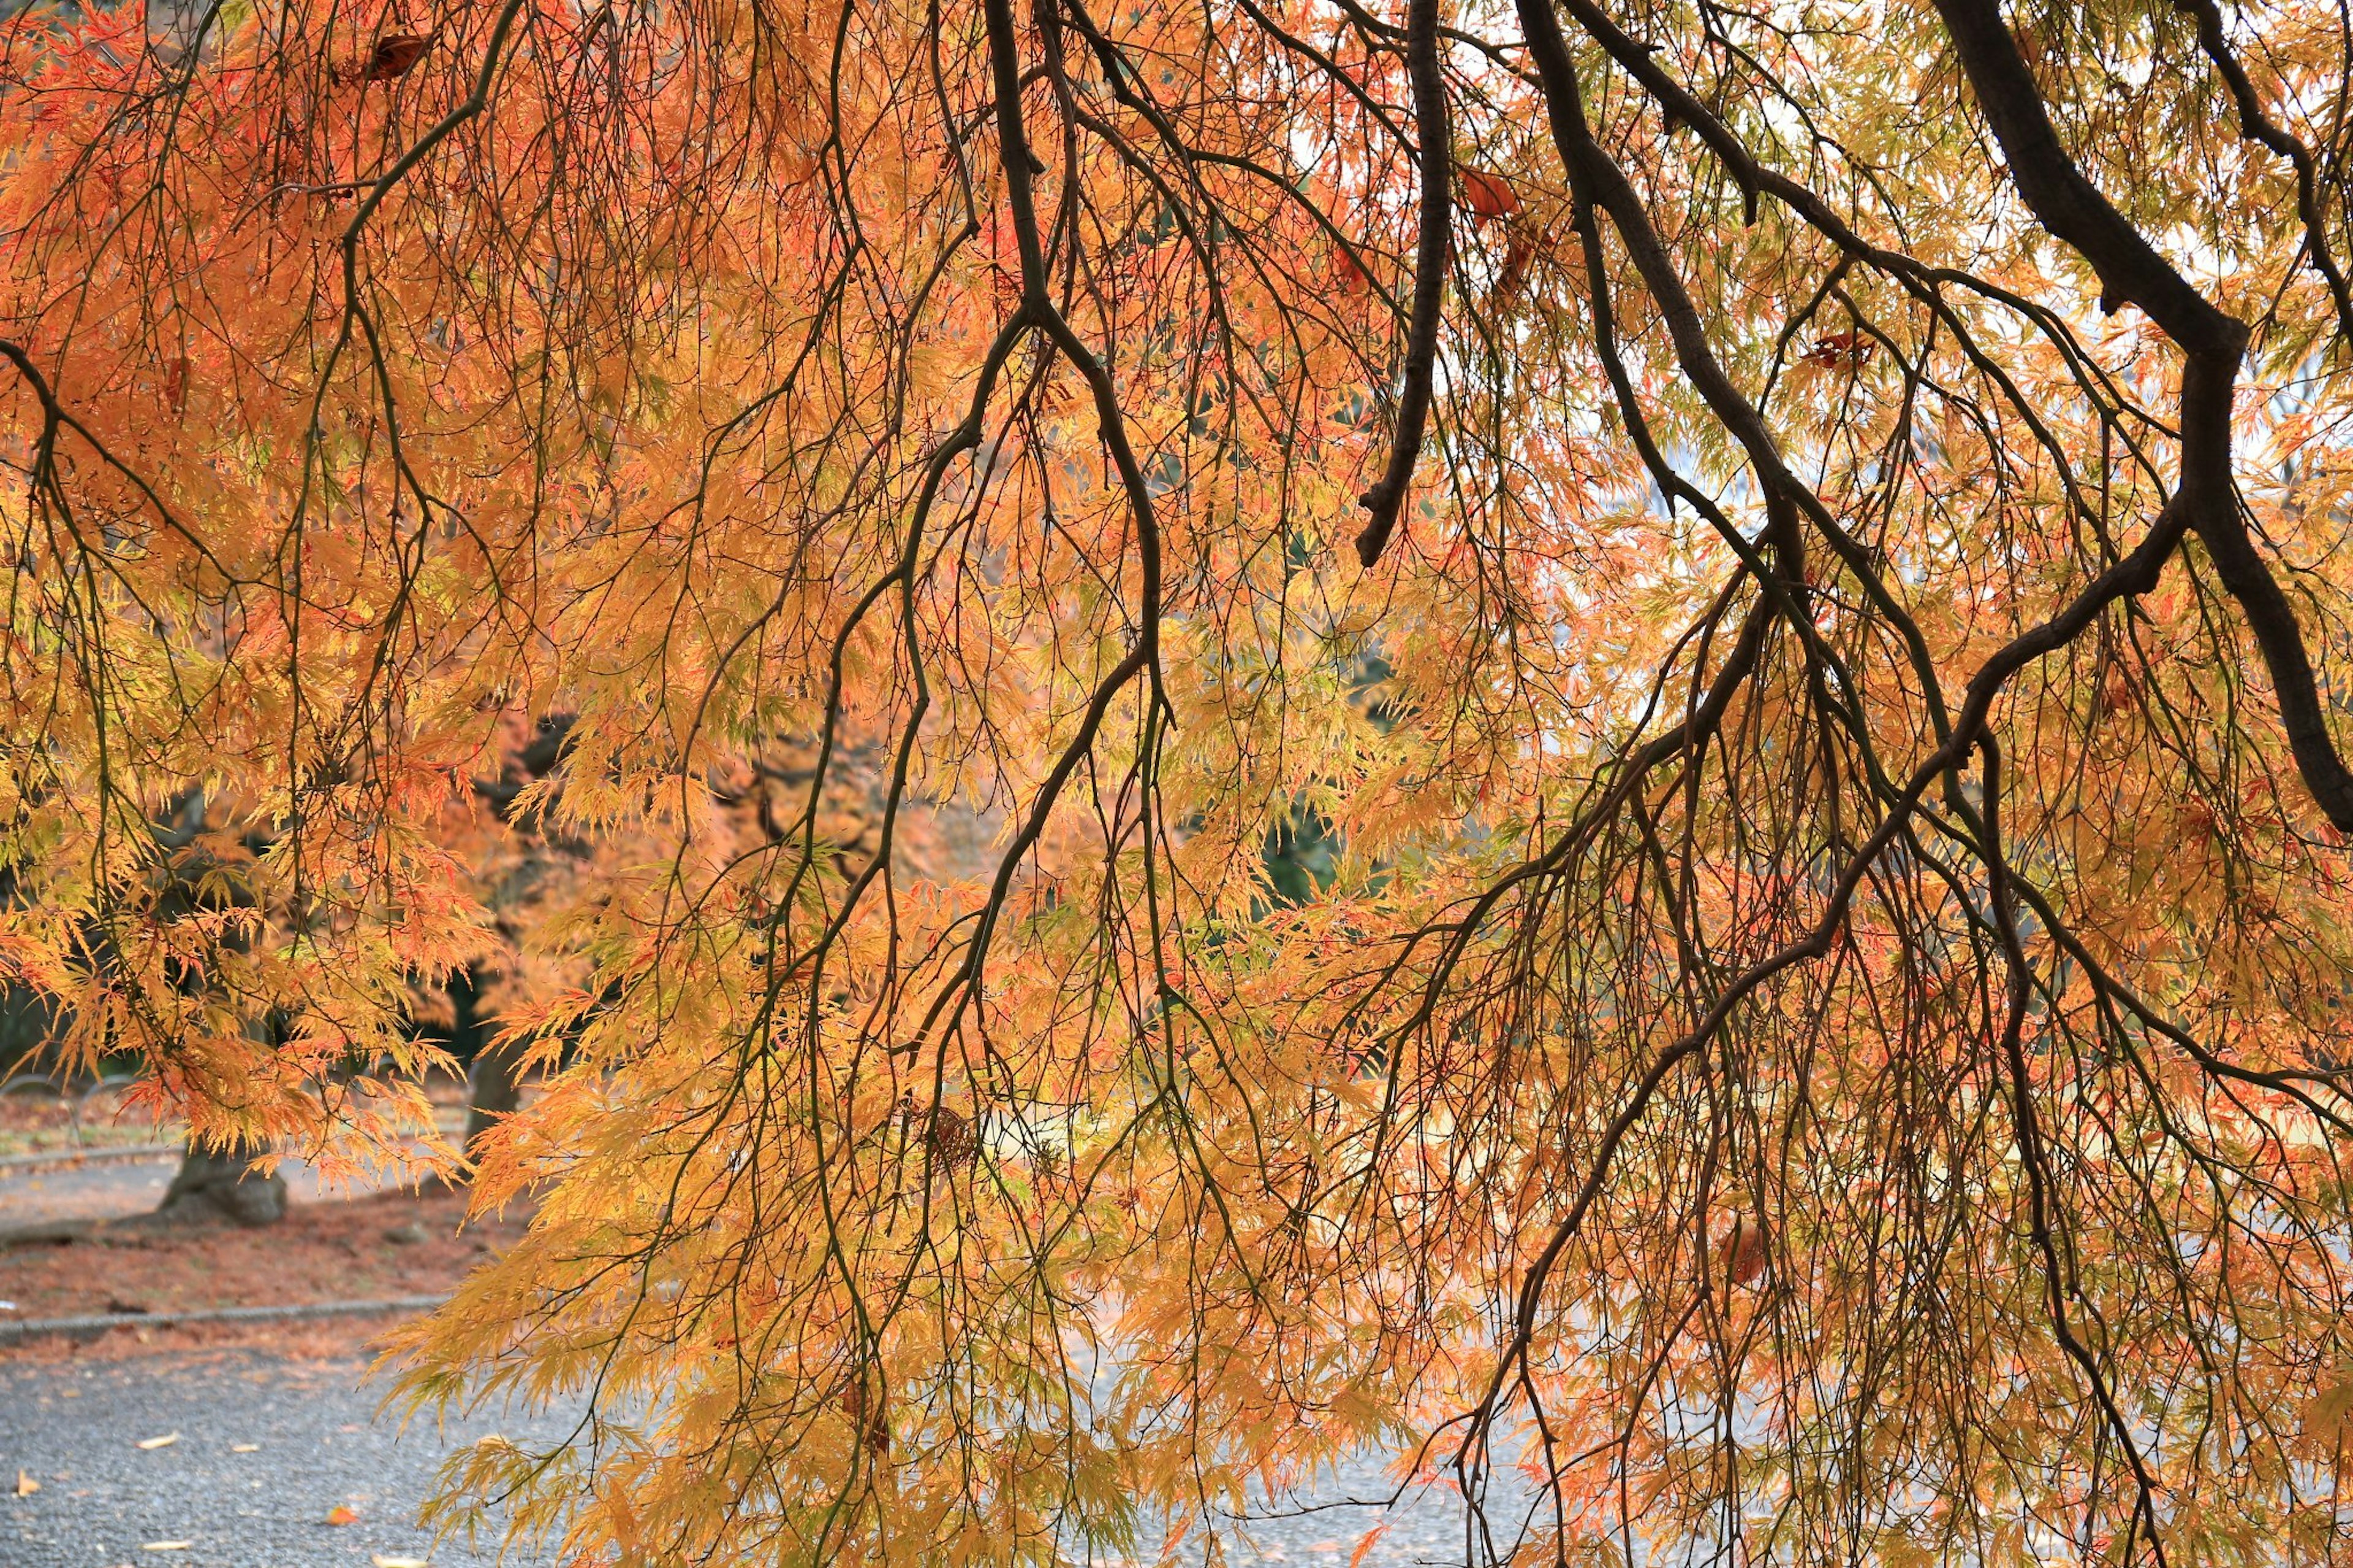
<point x="1021" y="164"/>
<point x="1435" y="246"/>
<point x="1595" y="179"/>
<point x="2273" y="619"/>
<point x="1142" y="659"/>
<point x="2070" y="207"/>
<point x="1681" y="108"/>
<point x="2064" y="201"/>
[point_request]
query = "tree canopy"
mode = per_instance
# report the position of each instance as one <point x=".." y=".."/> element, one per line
<point x="1659" y="688"/>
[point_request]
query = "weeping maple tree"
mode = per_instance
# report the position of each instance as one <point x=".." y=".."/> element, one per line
<point x="1788" y="565"/>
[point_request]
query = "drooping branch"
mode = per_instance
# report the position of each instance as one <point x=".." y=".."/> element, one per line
<point x="2212" y="342"/>
<point x="2026" y="1129"/>
<point x="2258" y="126"/>
<point x="1433" y="250"/>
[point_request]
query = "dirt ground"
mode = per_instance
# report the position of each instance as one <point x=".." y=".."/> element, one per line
<point x="372" y="1248"/>
<point x="335" y="1343"/>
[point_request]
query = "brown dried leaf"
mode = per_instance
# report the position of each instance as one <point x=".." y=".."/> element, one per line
<point x="396" y="55"/>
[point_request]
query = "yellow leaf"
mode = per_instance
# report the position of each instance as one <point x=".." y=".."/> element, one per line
<point x="26" y="1485"/>
<point x="2329" y="1410"/>
<point x="381" y="1561"/>
<point x="165" y="1441"/>
<point x="244" y="1447"/>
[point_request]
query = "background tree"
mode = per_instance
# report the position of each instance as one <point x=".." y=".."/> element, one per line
<point x="1821" y="1040"/>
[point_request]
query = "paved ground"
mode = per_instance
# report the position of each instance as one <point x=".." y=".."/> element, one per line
<point x="95" y="1191"/>
<point x="74" y="1428"/>
<point x="115" y="1188"/>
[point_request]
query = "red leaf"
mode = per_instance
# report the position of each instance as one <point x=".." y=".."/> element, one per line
<point x="1838" y="349"/>
<point x="1743" y="1251"/>
<point x="1488" y="195"/>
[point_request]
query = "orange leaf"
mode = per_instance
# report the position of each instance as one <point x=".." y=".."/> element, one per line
<point x="343" y="1514"/>
<point x="1488" y="195"/>
<point x="1518" y="252"/>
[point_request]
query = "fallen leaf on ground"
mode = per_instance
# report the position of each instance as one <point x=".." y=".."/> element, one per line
<point x="26" y="1485"/>
<point x="382" y="1561"/>
<point x="165" y="1441"/>
<point x="343" y="1514"/>
<point x="244" y="1447"/>
<point x="167" y="1546"/>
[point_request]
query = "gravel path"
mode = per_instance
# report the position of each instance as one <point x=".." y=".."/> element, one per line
<point x="74" y="1427"/>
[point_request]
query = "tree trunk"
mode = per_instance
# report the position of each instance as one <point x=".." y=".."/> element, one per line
<point x="493" y="1088"/>
<point x="493" y="1076"/>
<point x="224" y="1181"/>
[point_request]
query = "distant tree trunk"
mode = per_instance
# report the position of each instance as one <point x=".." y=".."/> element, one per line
<point x="493" y="1076"/>
<point x="28" y="1024"/>
<point x="224" y="1181"/>
<point x="493" y="1088"/>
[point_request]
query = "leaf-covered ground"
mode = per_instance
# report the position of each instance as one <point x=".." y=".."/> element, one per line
<point x="388" y="1244"/>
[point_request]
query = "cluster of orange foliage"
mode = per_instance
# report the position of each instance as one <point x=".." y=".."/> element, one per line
<point x="1819" y="1037"/>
